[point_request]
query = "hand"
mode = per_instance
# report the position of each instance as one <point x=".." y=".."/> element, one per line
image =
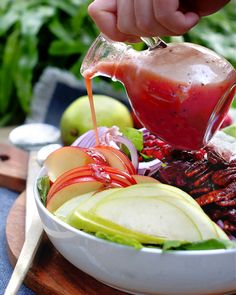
<point x="127" y="20"/>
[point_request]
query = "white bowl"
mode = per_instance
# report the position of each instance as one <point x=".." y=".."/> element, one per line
<point x="145" y="271"/>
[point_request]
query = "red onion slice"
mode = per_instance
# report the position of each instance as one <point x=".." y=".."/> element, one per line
<point x="149" y="168"/>
<point x="88" y="139"/>
<point x="112" y="137"/>
<point x="145" y="132"/>
<point x="131" y="148"/>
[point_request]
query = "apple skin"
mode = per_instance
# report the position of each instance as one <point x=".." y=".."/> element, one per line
<point x="84" y="179"/>
<point x="92" y="223"/>
<point x="66" y="208"/>
<point x="67" y="176"/>
<point x="102" y="212"/>
<point x="96" y="198"/>
<point x="177" y="198"/>
<point x="72" y="190"/>
<point x="97" y="172"/>
<point x="144" y="179"/>
<point x="70" y="157"/>
<point x="116" y="159"/>
<point x="153" y="216"/>
<point x="64" y="159"/>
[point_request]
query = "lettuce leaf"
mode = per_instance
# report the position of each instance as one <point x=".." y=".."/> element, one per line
<point x="120" y="240"/>
<point x="174" y="245"/>
<point x="210" y="244"/>
<point x="43" y="185"/>
<point x="135" y="136"/>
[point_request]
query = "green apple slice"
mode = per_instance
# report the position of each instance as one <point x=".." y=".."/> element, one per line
<point x="95" y="198"/>
<point x="63" y="211"/>
<point x="143" y="192"/>
<point x="166" y="220"/>
<point x="91" y="223"/>
<point x="83" y="202"/>
<point x="180" y="193"/>
<point x="165" y="188"/>
<point x="149" y="215"/>
<point x="221" y="234"/>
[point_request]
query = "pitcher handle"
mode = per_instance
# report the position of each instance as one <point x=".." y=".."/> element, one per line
<point x="154" y="42"/>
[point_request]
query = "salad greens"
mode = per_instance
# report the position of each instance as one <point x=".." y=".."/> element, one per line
<point x="120" y="240"/>
<point x="43" y="185"/>
<point x="135" y="136"/>
<point x="210" y="244"/>
<point x="230" y="130"/>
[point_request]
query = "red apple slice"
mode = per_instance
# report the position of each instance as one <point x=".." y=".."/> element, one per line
<point x="72" y="190"/>
<point x="109" y="176"/>
<point x="64" y="159"/>
<point x="116" y="159"/>
<point x="121" y="175"/>
<point x="67" y="176"/>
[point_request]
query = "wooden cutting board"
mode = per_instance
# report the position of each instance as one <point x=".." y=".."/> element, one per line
<point x="50" y="272"/>
<point x="13" y="167"/>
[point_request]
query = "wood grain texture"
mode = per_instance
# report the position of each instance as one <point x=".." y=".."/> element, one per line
<point x="13" y="167"/>
<point x="50" y="272"/>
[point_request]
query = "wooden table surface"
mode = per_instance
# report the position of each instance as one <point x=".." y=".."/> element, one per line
<point x="13" y="163"/>
<point x="4" y="133"/>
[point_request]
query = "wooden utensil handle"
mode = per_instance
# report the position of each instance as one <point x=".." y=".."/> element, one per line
<point x="26" y="257"/>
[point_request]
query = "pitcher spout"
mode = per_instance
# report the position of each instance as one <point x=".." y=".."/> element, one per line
<point x="103" y="50"/>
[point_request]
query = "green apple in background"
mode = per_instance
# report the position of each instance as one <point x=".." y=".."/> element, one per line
<point x="76" y="118"/>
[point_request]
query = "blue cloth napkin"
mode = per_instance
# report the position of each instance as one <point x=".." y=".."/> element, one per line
<point x="7" y="199"/>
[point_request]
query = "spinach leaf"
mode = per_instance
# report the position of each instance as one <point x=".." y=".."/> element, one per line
<point x="135" y="136"/>
<point x="43" y="186"/>
<point x="120" y="240"/>
<point x="210" y="244"/>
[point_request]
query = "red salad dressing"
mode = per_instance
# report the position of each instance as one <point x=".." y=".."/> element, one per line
<point x="92" y="108"/>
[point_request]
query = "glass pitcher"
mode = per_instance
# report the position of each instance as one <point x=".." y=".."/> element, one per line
<point x="181" y="92"/>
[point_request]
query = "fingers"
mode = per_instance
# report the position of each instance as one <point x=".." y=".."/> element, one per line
<point x="104" y="14"/>
<point x="153" y="18"/>
<point x="168" y="15"/>
<point x="127" y="20"/>
<point x="126" y="17"/>
<point x="146" y="22"/>
<point x="135" y="18"/>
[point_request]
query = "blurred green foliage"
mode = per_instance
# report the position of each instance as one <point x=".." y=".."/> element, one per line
<point x="38" y="33"/>
<point x="217" y="32"/>
<point x="33" y="35"/>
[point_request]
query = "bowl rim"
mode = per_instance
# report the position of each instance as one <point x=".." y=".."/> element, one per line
<point x="151" y="250"/>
